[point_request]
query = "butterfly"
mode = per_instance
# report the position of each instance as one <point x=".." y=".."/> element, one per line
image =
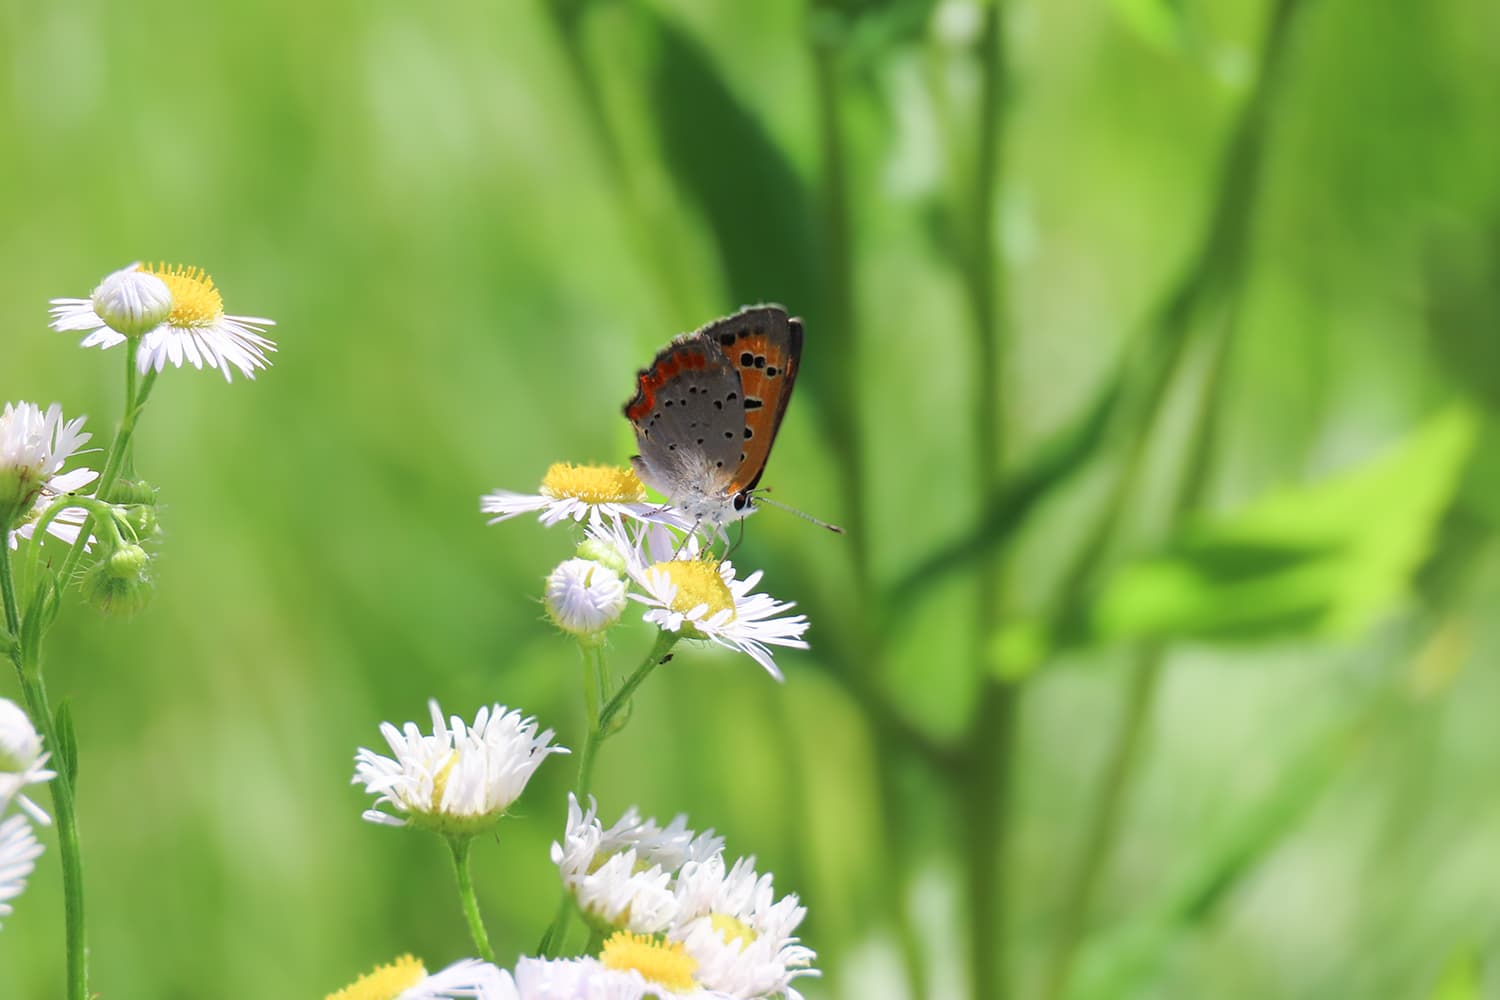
<point x="707" y="411"/>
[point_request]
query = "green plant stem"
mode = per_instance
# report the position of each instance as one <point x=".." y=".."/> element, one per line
<point x="34" y="691"/>
<point x="136" y="395"/>
<point x="459" y="848"/>
<point x="1104" y="823"/>
<point x="599" y="731"/>
<point x="992" y="741"/>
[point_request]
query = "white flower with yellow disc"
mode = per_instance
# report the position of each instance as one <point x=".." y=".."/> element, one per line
<point x="600" y="493"/>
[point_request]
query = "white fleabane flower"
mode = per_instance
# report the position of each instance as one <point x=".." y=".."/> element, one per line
<point x="22" y="761"/>
<point x="66" y="523"/>
<point x="740" y="936"/>
<point x="19" y="850"/>
<point x="590" y="978"/>
<point x="34" y="445"/>
<point x="584" y="597"/>
<point x="690" y="592"/>
<point x="195" y="328"/>
<point x="407" y="979"/>
<point x="622" y="877"/>
<point x="601" y="493"/>
<point x="459" y="780"/>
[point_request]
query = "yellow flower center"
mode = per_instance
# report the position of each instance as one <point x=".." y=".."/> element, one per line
<point x="386" y="983"/>
<point x="698" y="582"/>
<point x="195" y="300"/>
<point x="732" y="929"/>
<point x="593" y="484"/>
<point x="665" y="963"/>
<point x="440" y="782"/>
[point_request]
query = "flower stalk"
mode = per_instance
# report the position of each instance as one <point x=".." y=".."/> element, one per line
<point x="458" y="847"/>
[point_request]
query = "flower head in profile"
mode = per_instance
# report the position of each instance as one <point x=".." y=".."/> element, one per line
<point x="19" y="850"/>
<point x="690" y="592"/>
<point x="193" y="327"/>
<point x="407" y="979"/>
<point x="568" y="491"/>
<point x="739" y="935"/>
<point x="461" y="779"/>
<point x="22" y="761"/>
<point x="34" y="446"/>
<point x="621" y="877"/>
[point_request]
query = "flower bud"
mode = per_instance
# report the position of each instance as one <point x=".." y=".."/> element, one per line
<point x="602" y="552"/>
<point x="584" y="597"/>
<point x="132" y="302"/>
<point x="118" y="584"/>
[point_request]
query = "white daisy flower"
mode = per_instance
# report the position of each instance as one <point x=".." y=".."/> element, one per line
<point x="459" y="780"/>
<point x="598" y="492"/>
<point x="738" y="933"/>
<point x="700" y="597"/>
<point x="34" y="446"/>
<point x="622" y="877"/>
<point x="22" y="761"/>
<point x="631" y="967"/>
<point x="407" y="979"/>
<point x="68" y="522"/>
<point x="19" y="850"/>
<point x="584" y="597"/>
<point x="195" y="328"/>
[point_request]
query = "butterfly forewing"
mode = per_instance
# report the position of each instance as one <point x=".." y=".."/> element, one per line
<point x="765" y="346"/>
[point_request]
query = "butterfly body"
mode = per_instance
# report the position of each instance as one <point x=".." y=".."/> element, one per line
<point x="707" y="411"/>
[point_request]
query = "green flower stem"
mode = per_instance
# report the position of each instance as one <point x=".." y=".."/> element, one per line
<point x="600" y="729"/>
<point x="136" y="395"/>
<point x="25" y="655"/>
<point x="459" y="847"/>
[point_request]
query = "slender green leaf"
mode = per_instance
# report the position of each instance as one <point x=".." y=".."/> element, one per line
<point x="66" y="752"/>
<point x="1326" y="559"/>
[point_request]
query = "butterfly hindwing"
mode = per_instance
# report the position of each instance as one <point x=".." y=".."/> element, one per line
<point x="764" y="346"/>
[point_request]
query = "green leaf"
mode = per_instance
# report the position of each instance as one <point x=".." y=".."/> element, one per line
<point x="1324" y="560"/>
<point x="66" y="751"/>
<point x="1461" y="977"/>
<point x="1158" y="23"/>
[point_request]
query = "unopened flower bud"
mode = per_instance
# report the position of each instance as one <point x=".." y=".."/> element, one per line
<point x="132" y="302"/>
<point x="601" y="551"/>
<point x="118" y="584"/>
<point x="584" y="597"/>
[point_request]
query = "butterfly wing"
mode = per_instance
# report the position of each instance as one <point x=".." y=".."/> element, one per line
<point x="689" y="417"/>
<point x="764" y="346"/>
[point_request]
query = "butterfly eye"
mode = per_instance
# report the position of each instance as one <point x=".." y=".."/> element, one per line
<point x="741" y="501"/>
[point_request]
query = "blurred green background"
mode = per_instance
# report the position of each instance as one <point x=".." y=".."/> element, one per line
<point x="1035" y="252"/>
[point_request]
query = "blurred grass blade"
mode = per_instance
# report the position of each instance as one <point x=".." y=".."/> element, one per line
<point x="1123" y="963"/>
<point x="1021" y="493"/>
<point x="1325" y="559"/>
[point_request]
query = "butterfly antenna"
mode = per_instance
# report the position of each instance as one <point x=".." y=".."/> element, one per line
<point x="802" y="514"/>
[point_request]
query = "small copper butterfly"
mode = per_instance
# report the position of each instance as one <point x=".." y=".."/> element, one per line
<point x="707" y="410"/>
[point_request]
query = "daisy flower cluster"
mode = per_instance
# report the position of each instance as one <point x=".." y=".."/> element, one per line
<point x="649" y="553"/>
<point x="674" y="918"/>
